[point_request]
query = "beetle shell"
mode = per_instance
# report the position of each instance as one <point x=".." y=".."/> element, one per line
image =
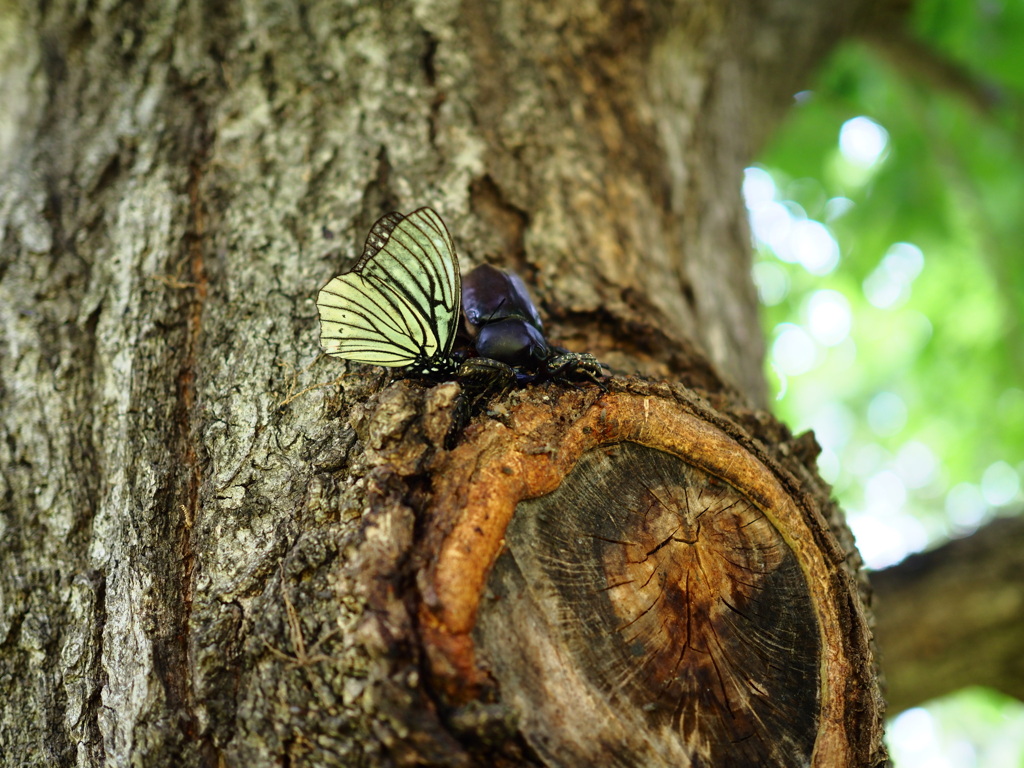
<point x="490" y="294"/>
<point x="513" y="341"/>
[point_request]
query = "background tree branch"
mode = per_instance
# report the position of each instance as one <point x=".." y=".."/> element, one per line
<point x="954" y="617"/>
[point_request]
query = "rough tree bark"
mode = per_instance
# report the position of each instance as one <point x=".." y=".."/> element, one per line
<point x="214" y="549"/>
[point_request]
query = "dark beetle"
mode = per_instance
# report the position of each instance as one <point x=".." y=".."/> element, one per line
<point x="509" y="337"/>
<point x="502" y="319"/>
<point x="508" y="341"/>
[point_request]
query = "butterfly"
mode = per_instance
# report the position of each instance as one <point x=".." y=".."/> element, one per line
<point x="399" y="306"/>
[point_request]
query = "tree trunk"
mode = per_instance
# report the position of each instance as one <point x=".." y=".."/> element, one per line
<point x="222" y="548"/>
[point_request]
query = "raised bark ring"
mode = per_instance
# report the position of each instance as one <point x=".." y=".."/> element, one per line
<point x="695" y="592"/>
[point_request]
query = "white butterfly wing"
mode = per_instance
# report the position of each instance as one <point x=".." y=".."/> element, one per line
<point x="418" y="259"/>
<point x="400" y="304"/>
<point x="367" y="322"/>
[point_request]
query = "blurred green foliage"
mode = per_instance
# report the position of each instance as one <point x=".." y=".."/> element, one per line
<point x="973" y="728"/>
<point x="947" y="342"/>
<point x="907" y="360"/>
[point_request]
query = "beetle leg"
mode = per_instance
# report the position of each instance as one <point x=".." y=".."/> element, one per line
<point x="480" y="378"/>
<point x="576" y="365"/>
